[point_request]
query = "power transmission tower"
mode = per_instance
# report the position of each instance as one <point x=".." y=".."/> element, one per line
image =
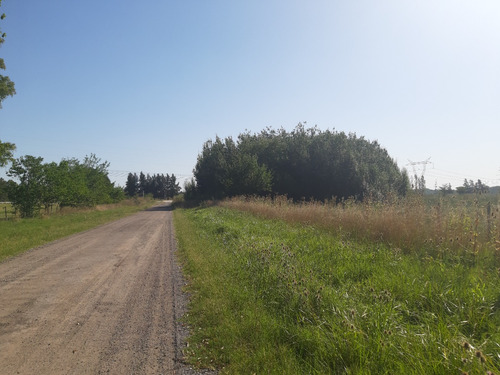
<point x="419" y="182"/>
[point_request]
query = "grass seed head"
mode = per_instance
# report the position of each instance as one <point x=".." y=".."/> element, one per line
<point x="481" y="356"/>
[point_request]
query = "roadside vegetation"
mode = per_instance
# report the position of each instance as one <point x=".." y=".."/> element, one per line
<point x="304" y="163"/>
<point x="406" y="286"/>
<point x="158" y="186"/>
<point x="463" y="224"/>
<point x="46" y="201"/>
<point x="18" y="235"/>
<point x="37" y="185"/>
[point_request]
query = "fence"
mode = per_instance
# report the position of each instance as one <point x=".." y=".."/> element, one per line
<point x="6" y="211"/>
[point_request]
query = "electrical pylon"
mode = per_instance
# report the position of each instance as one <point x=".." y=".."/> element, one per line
<point x="414" y="166"/>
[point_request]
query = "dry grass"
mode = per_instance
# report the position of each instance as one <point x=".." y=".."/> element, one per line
<point x="458" y="223"/>
<point x="271" y="297"/>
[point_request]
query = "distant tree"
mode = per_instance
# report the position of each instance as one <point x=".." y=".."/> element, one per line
<point x="6" y="85"/>
<point x="173" y="187"/>
<point x="190" y="190"/>
<point x="72" y="183"/>
<point x="52" y="187"/>
<point x="132" y="185"/>
<point x="481" y="188"/>
<point x="446" y="189"/>
<point x="3" y="190"/>
<point x="69" y="183"/>
<point x="469" y="187"/>
<point x="223" y="170"/>
<point x="98" y="183"/>
<point x="26" y="197"/>
<point x="142" y="184"/>
<point x="5" y="186"/>
<point x="6" y="153"/>
<point x="419" y="184"/>
<point x="159" y="186"/>
<point x="303" y="163"/>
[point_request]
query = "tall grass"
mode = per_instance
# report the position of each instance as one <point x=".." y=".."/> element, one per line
<point x="270" y="297"/>
<point x="18" y="235"/>
<point x="463" y="224"/>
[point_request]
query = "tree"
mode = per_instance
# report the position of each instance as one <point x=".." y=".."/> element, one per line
<point x="481" y="188"/>
<point x="69" y="183"/>
<point x="52" y="187"/>
<point x="446" y="189"/>
<point x="142" y="184"/>
<point x="26" y="197"/>
<point x="132" y="185"/>
<point x="190" y="190"/>
<point x="419" y="184"/>
<point x="160" y="186"/>
<point x="98" y="184"/>
<point x="469" y="187"/>
<point x="6" y="153"/>
<point x="303" y="163"/>
<point x="223" y="170"/>
<point x="6" y="85"/>
<point x="173" y="187"/>
<point x="5" y="186"/>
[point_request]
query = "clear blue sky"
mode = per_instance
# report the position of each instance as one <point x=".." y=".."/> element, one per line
<point x="144" y="84"/>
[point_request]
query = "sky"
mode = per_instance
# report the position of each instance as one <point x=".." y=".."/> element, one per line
<point x="144" y="84"/>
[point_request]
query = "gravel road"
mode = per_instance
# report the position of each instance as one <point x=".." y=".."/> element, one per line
<point x="105" y="301"/>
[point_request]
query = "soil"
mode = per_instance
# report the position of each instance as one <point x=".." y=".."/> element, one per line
<point x="105" y="301"/>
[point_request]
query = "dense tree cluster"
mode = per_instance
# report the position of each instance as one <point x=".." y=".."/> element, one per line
<point x="158" y="185"/>
<point x="5" y="186"/>
<point x="446" y="189"/>
<point x="69" y="183"/>
<point x="470" y="186"/>
<point x="303" y="163"/>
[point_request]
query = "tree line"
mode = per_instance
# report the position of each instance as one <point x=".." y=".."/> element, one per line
<point x="303" y="164"/>
<point x="68" y="183"/>
<point x="159" y="186"/>
<point x="468" y="187"/>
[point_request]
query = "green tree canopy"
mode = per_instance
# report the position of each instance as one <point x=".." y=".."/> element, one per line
<point x="132" y="185"/>
<point x="5" y="186"/>
<point x="303" y="163"/>
<point x="6" y="85"/>
<point x="27" y="196"/>
<point x="160" y="186"/>
<point x="223" y="169"/>
<point x="470" y="187"/>
<point x="6" y="152"/>
<point x="69" y="183"/>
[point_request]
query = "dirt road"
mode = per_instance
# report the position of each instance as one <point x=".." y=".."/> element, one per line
<point x="106" y="301"/>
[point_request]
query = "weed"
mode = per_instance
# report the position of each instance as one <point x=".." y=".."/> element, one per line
<point x="296" y="299"/>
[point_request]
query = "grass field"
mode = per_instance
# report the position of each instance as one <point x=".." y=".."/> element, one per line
<point x="465" y="223"/>
<point x="18" y="235"/>
<point x="301" y="297"/>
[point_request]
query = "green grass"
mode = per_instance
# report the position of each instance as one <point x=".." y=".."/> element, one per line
<point x="18" y="235"/>
<point x="275" y="298"/>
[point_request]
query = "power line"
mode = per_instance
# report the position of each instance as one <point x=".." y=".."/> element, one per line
<point x="415" y="163"/>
